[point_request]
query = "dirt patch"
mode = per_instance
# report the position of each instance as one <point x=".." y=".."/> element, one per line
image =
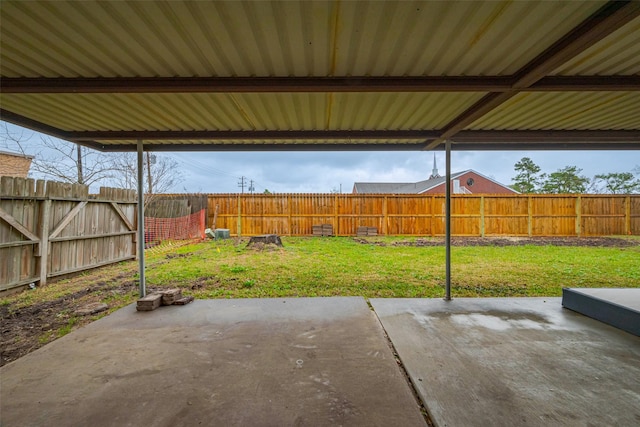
<point x="204" y="282"/>
<point x="264" y="247"/>
<point x="606" y="242"/>
<point x="172" y="256"/>
<point x="32" y="318"/>
<point x="28" y="328"/>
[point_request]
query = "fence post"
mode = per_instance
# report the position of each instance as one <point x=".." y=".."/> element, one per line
<point x="578" y="215"/>
<point x="433" y="214"/>
<point x="239" y="226"/>
<point x="385" y="216"/>
<point x="290" y="224"/>
<point x="529" y="215"/>
<point x="627" y="215"/>
<point x="43" y="247"/>
<point x="335" y="215"/>
<point x="482" y="216"/>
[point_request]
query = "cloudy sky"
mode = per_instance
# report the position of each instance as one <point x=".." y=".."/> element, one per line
<point x="313" y="172"/>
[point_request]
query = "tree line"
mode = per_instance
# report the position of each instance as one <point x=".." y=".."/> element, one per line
<point x="531" y="179"/>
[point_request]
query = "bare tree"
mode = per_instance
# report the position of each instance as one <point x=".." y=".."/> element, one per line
<point x="68" y="162"/>
<point x="13" y="140"/>
<point x="160" y="174"/>
<point x="57" y="159"/>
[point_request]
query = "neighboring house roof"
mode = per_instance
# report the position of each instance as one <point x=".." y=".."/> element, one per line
<point x="380" y="187"/>
<point x="412" y="187"/>
<point x="15" y="164"/>
<point x="401" y="187"/>
<point x="25" y="156"/>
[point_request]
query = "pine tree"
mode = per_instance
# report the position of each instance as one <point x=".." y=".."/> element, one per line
<point x="566" y="181"/>
<point x="529" y="179"/>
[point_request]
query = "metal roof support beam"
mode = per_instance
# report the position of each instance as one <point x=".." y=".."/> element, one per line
<point x="463" y="140"/>
<point x="547" y="136"/>
<point x="250" y="146"/>
<point x="250" y="135"/>
<point x="28" y="123"/>
<point x="586" y="83"/>
<point x="549" y="146"/>
<point x="313" y="84"/>
<point x="257" y="84"/>
<point x="291" y="147"/>
<point x="603" y="22"/>
<point x="476" y="111"/>
<point x="447" y="222"/>
<point x="141" y="242"/>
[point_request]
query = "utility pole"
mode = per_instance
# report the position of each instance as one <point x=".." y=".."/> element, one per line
<point x="241" y="184"/>
<point x="251" y="188"/>
<point x="149" y="181"/>
<point x="79" y="165"/>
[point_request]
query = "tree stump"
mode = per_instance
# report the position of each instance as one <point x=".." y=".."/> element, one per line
<point x="265" y="239"/>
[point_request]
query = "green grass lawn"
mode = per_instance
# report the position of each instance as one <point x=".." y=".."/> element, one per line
<point x="343" y="266"/>
<point x="313" y="267"/>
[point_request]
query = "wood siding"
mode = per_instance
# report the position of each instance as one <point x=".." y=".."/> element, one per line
<point x="423" y="215"/>
<point x="49" y="229"/>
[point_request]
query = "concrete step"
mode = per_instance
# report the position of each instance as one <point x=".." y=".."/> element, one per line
<point x="615" y="307"/>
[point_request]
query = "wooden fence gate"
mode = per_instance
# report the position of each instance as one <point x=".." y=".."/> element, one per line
<point x="49" y="229"/>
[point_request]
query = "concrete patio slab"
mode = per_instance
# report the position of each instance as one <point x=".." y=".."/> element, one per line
<point x="514" y="361"/>
<point x="260" y="362"/>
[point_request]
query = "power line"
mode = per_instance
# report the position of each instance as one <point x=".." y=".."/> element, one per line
<point x="204" y="167"/>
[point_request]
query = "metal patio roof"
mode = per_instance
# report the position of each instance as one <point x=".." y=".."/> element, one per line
<point x="326" y="75"/>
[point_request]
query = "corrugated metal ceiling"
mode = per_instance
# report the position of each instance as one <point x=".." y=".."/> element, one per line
<point x="567" y="111"/>
<point x="242" y="111"/>
<point x="618" y="54"/>
<point x="320" y="38"/>
<point x="517" y="44"/>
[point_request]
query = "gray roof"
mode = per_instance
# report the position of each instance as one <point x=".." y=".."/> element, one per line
<point x="401" y="187"/>
<point x="413" y="187"/>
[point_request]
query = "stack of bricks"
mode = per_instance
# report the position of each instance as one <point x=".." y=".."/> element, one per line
<point x="149" y="302"/>
<point x="170" y="296"/>
<point x="367" y="231"/>
<point x="166" y="297"/>
<point x="323" y="230"/>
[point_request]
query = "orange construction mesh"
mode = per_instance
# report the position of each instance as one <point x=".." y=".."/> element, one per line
<point x="187" y="227"/>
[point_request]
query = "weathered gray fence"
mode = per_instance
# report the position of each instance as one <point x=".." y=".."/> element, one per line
<point x="174" y="205"/>
<point x="49" y="229"/>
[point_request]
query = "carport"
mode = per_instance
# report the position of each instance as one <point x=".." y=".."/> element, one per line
<point x="325" y="76"/>
<point x="304" y="76"/>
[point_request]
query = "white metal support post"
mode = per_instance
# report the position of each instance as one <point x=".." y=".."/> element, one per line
<point x="141" y="266"/>
<point x="447" y="222"/>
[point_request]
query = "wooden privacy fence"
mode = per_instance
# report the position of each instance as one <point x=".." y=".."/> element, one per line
<point x="50" y="229"/>
<point x="423" y="215"/>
